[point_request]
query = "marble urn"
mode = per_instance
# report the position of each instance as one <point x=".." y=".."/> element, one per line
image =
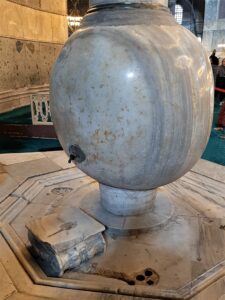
<point x="132" y="101"/>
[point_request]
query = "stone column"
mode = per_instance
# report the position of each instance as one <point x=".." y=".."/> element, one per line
<point x="214" y="27"/>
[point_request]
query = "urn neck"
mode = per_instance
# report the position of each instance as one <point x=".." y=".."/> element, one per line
<point x="93" y="3"/>
<point x="122" y="202"/>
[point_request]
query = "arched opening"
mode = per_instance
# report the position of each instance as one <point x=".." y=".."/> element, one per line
<point x="190" y="14"/>
<point x="179" y="13"/>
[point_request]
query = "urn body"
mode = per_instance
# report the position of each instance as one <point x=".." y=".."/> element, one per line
<point x="134" y="90"/>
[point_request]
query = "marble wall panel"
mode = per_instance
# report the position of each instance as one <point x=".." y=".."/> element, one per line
<point x="25" y="63"/>
<point x="59" y="29"/>
<point x="11" y="15"/>
<point x="211" y="10"/>
<point x="23" y="22"/>
<point x="218" y="37"/>
<point x="207" y="39"/>
<point x="30" y="24"/>
<point x="31" y="3"/>
<point x="45" y="27"/>
<point x="54" y="6"/>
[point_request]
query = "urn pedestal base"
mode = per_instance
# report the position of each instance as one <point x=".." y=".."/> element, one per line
<point x="122" y="202"/>
<point x="153" y="213"/>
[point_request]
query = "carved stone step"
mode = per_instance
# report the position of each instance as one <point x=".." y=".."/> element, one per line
<point x="64" y="240"/>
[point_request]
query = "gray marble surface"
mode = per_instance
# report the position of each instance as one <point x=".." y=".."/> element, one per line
<point x="64" y="240"/>
<point x="100" y="2"/>
<point x="130" y="140"/>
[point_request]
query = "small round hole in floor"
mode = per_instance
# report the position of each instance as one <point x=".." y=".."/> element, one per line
<point x="140" y="277"/>
<point x="150" y="282"/>
<point x="131" y="282"/>
<point x="148" y="273"/>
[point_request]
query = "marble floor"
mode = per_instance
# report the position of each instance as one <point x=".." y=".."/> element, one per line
<point x="186" y="255"/>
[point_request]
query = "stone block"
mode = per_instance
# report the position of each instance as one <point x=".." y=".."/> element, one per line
<point x="30" y="3"/>
<point x="26" y="22"/>
<point x="59" y="29"/>
<point x="30" y="23"/>
<point x="22" y="171"/>
<point x="13" y="16"/>
<point x="64" y="240"/>
<point x="44" y="26"/>
<point x="7" y="286"/>
<point x="55" y="6"/>
<point x="8" y="185"/>
<point x="211" y="10"/>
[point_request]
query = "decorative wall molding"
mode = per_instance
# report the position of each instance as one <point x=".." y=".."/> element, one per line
<point x="10" y="95"/>
<point x="16" y="98"/>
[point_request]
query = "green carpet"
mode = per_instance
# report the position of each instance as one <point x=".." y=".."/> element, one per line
<point x="20" y="115"/>
<point x="18" y="145"/>
<point x="14" y="145"/>
<point x="215" y="150"/>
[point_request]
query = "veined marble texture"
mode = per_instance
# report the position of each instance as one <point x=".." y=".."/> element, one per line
<point x="135" y="91"/>
<point x="65" y="240"/>
<point x="100" y="2"/>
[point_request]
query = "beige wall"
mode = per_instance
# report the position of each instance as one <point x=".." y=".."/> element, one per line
<point x="22" y="22"/>
<point x="54" y="6"/>
<point x="32" y="33"/>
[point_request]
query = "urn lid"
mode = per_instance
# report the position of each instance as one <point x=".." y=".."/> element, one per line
<point x="101" y="2"/>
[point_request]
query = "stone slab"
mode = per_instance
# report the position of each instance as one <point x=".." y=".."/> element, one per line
<point x="60" y="158"/>
<point x="159" y="215"/>
<point x="7" y="185"/>
<point x="14" y="158"/>
<point x="210" y="169"/>
<point x="7" y="286"/>
<point x="67" y="228"/>
<point x="65" y="240"/>
<point x="29" y="26"/>
<point x="22" y="171"/>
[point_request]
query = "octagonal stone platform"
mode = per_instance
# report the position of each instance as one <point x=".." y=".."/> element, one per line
<point x="184" y="258"/>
